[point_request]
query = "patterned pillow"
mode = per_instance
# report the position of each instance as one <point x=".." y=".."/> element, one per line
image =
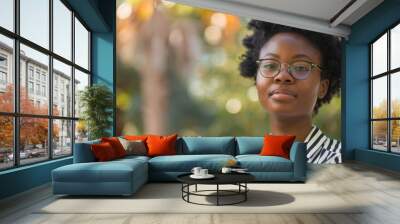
<point x="133" y="147"/>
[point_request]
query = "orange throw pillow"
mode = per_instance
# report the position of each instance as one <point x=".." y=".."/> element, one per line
<point x="116" y="145"/>
<point x="103" y="151"/>
<point x="277" y="145"/>
<point x="161" y="145"/>
<point x="135" y="137"/>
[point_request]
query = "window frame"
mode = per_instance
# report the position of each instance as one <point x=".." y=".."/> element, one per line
<point x="16" y="115"/>
<point x="388" y="74"/>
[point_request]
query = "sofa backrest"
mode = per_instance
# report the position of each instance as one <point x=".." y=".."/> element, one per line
<point x="206" y="145"/>
<point x="249" y="145"/>
<point x="83" y="153"/>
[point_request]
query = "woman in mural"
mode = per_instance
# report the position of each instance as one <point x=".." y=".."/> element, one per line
<point x="295" y="71"/>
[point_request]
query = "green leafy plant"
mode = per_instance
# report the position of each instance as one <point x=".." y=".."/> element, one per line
<point x="96" y="102"/>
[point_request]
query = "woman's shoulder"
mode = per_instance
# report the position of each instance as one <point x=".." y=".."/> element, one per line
<point x="321" y="148"/>
<point x="318" y="139"/>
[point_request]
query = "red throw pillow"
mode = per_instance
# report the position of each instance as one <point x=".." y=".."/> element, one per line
<point x="161" y="145"/>
<point x="116" y="145"/>
<point x="103" y="151"/>
<point x="277" y="145"/>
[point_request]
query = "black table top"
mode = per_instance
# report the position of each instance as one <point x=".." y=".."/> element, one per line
<point x="220" y="178"/>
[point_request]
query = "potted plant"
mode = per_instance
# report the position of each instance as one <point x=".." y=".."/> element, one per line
<point x="96" y="102"/>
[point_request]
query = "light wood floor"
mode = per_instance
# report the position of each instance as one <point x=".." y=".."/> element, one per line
<point x="378" y="188"/>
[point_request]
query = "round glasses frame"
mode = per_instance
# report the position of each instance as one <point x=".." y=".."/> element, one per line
<point x="289" y="68"/>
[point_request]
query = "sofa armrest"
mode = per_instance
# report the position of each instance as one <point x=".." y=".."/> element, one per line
<point x="83" y="152"/>
<point x="298" y="157"/>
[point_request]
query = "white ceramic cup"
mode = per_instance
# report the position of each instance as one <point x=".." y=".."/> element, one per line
<point x="196" y="170"/>
<point x="226" y="170"/>
<point x="203" y="172"/>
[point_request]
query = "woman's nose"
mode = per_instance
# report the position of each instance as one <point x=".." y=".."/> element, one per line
<point x="284" y="76"/>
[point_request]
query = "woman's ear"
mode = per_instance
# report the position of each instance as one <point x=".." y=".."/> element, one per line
<point x="323" y="88"/>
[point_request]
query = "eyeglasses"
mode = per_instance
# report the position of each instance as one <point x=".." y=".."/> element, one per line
<point x="300" y="70"/>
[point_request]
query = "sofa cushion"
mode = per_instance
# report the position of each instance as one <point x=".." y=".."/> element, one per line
<point x="111" y="171"/>
<point x="161" y="145"/>
<point x="134" y="147"/>
<point x="103" y="152"/>
<point x="185" y="163"/>
<point x="116" y="145"/>
<point x="206" y="145"/>
<point x="249" y="145"/>
<point x="277" y="145"/>
<point x="257" y="163"/>
<point x="83" y="152"/>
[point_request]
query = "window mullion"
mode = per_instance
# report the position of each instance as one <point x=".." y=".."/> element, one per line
<point x="73" y="82"/>
<point x="50" y="81"/>
<point x="389" y="106"/>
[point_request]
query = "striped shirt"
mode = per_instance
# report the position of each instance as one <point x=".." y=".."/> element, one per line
<point x="321" y="148"/>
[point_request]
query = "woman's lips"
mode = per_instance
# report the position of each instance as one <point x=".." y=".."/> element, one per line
<point x="282" y="95"/>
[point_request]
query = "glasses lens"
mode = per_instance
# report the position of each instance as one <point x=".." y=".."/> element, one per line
<point x="300" y="69"/>
<point x="269" y="68"/>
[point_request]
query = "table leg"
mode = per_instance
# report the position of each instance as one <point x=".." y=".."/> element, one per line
<point x="245" y="193"/>
<point x="196" y="188"/>
<point x="217" y="194"/>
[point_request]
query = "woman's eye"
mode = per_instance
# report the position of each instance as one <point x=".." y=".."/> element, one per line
<point x="300" y="68"/>
<point x="271" y="66"/>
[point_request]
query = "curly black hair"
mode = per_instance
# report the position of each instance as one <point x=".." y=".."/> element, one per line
<point x="329" y="47"/>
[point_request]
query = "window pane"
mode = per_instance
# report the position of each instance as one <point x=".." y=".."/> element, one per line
<point x="81" y="45"/>
<point x="33" y="140"/>
<point x="379" y="97"/>
<point x="6" y="142"/>
<point x="62" y="29"/>
<point x="379" y="55"/>
<point x="81" y="81"/>
<point x="395" y="94"/>
<point x="6" y="74"/>
<point x="7" y="14"/>
<point x="35" y="21"/>
<point x="34" y="97"/>
<point x="395" y="136"/>
<point x="395" y="47"/>
<point x="379" y="135"/>
<point x="81" y="131"/>
<point x="62" y="138"/>
<point x="62" y="89"/>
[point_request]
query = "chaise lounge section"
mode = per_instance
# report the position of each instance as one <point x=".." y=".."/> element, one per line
<point x="125" y="176"/>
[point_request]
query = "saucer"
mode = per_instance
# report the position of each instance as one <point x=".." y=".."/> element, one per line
<point x="208" y="176"/>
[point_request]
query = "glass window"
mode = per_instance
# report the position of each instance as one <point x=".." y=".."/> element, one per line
<point x="7" y="14"/>
<point x="385" y="125"/>
<point x="6" y="73"/>
<point x="379" y="97"/>
<point x="395" y="47"/>
<point x="379" y="56"/>
<point x="34" y="80"/>
<point x="81" y="81"/>
<point x="379" y="135"/>
<point x="62" y="29"/>
<point x="40" y="62"/>
<point x="81" y="131"/>
<point x="395" y="95"/>
<point x="33" y="140"/>
<point x="30" y="87"/>
<point x="62" y="72"/>
<point x="6" y="142"/>
<point x="62" y="138"/>
<point x="81" y="45"/>
<point x="395" y="136"/>
<point x="35" y="21"/>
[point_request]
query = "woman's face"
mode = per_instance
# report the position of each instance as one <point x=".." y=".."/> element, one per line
<point x="283" y="95"/>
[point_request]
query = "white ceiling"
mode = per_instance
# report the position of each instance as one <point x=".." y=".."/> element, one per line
<point x="325" y="16"/>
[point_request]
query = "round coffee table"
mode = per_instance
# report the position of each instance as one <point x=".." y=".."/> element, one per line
<point x="238" y="179"/>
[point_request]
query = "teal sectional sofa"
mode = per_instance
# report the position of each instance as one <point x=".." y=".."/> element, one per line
<point x="125" y="176"/>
